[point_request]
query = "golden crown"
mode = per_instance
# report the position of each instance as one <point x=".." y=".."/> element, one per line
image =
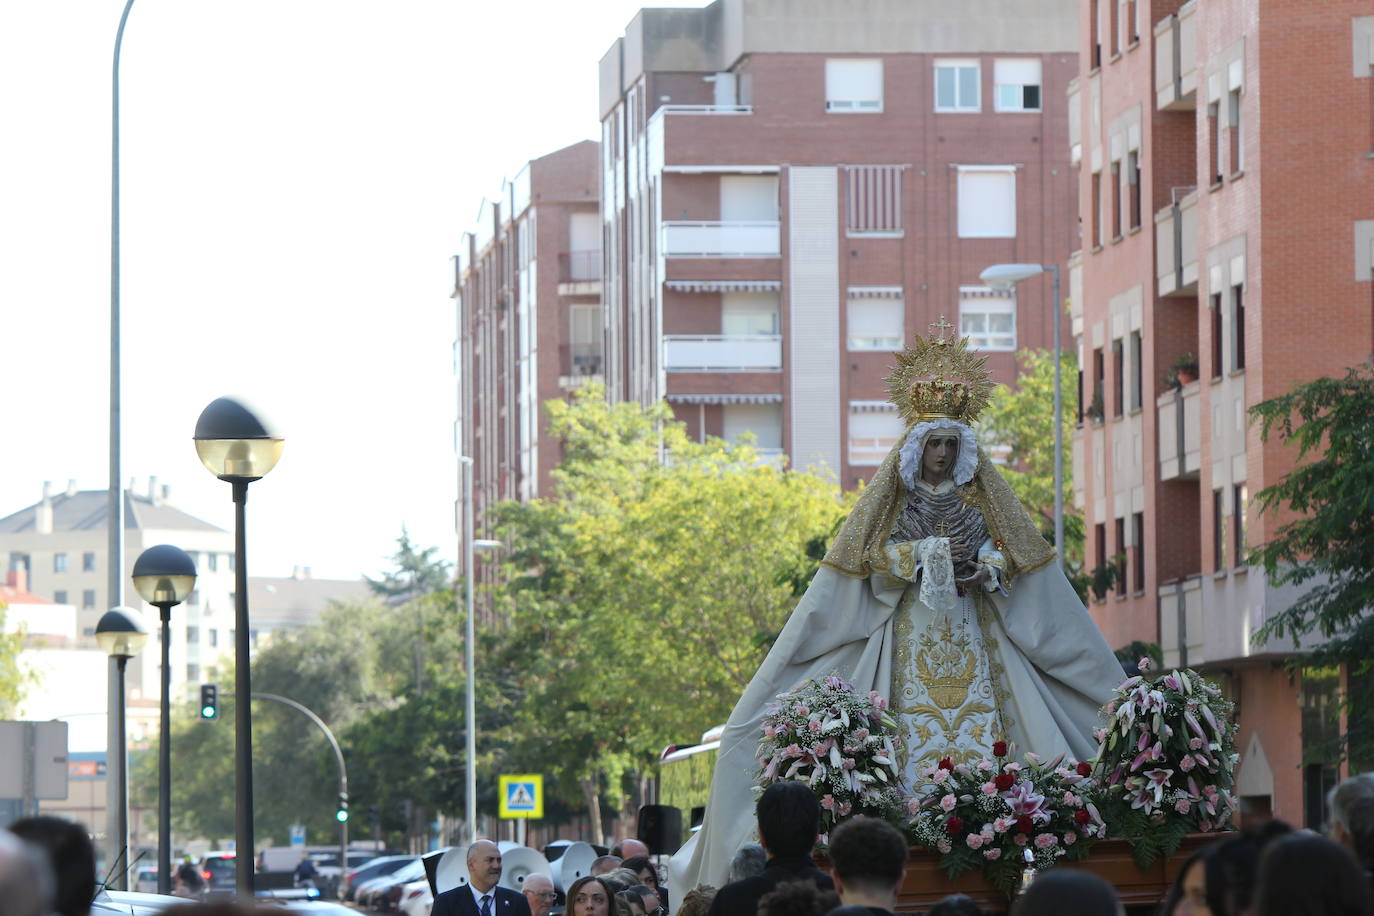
<point x="938" y="377"/>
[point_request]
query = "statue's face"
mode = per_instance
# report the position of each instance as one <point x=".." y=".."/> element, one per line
<point x="937" y="459"/>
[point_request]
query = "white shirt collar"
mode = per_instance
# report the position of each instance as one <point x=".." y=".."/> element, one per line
<point x="478" y="895"/>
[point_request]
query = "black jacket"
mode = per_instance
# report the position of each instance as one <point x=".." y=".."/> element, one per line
<point x="459" y="902"/>
<point x="741" y="898"/>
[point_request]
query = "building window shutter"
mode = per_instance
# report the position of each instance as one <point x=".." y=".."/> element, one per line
<point x="987" y="203"/>
<point x="853" y="85"/>
<point x="1018" y="84"/>
<point x="874" y="197"/>
<point x="876" y="324"/>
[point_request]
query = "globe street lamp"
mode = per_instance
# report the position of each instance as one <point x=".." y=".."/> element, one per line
<point x="237" y="447"/>
<point x="164" y="575"/>
<point x="120" y="635"/>
<point x="1005" y="276"/>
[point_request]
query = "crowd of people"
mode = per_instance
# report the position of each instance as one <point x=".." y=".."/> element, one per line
<point x="47" y="868"/>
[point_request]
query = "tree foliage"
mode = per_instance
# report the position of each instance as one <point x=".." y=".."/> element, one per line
<point x="14" y="678"/>
<point x="1325" y="534"/>
<point x="415" y="572"/>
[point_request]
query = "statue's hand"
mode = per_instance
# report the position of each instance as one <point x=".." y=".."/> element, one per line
<point x="980" y="576"/>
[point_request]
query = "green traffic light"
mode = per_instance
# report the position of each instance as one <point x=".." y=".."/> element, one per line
<point x="207" y="712"/>
<point x="341" y="815"/>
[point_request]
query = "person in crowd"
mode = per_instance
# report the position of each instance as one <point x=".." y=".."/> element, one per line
<point x="1351" y="822"/>
<point x="305" y="873"/>
<point x="1230" y="869"/>
<point x="648" y="875"/>
<point x="748" y="861"/>
<point x="956" y="905"/>
<point x="630" y="849"/>
<point x="789" y="820"/>
<point x="697" y="901"/>
<point x="1188" y="896"/>
<point x="605" y="864"/>
<point x="26" y="881"/>
<point x="189" y="881"/>
<point x="1303" y="874"/>
<point x="868" y="862"/>
<point x="539" y="893"/>
<point x="797" y="898"/>
<point x="481" y="896"/>
<point x="621" y="879"/>
<point x="653" y="906"/>
<point x="1061" y="891"/>
<point x="71" y="855"/>
<point x="633" y="902"/>
<point x="589" y="896"/>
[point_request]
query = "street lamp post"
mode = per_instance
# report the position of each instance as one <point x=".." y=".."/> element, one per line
<point x="237" y="447"/>
<point x="469" y="643"/>
<point x="120" y="634"/>
<point x="164" y="575"/>
<point x="1005" y="276"/>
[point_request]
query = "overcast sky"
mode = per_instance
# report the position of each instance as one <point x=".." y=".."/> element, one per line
<point x="295" y="176"/>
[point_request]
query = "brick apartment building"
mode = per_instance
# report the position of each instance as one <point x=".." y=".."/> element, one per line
<point x="528" y="294"/>
<point x="1226" y="190"/>
<point x="787" y="199"/>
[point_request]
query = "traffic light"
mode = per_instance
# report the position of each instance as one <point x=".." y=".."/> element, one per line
<point x="341" y="815"/>
<point x="209" y="701"/>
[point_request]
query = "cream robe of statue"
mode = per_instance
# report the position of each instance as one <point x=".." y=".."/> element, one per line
<point x="1016" y="658"/>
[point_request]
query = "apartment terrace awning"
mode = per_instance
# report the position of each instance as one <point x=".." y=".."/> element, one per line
<point x="725" y="398"/>
<point x="872" y="407"/>
<point x="724" y="286"/>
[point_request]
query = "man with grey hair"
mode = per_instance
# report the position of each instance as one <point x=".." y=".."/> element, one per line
<point x="749" y="860"/>
<point x="1352" y="818"/>
<point x="538" y="890"/>
<point x="481" y="896"/>
<point x="25" y="879"/>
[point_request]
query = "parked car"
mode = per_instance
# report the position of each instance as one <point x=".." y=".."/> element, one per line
<point x="145" y="881"/>
<point x="416" y="898"/>
<point x="373" y="868"/>
<point x="218" y="869"/>
<point x="378" y="894"/>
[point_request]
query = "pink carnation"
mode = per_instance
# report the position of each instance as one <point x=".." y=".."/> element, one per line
<point x="1195" y="744"/>
<point x="974" y="840"/>
<point x="948" y="802"/>
<point x="1183" y="806"/>
<point x="828" y="803"/>
<point x="1020" y="839"/>
<point x="1046" y="840"/>
<point x="861" y="734"/>
<point x="793" y="750"/>
<point x="992" y="855"/>
<point x="1002" y="825"/>
<point x="814" y="726"/>
<point x="940" y="776"/>
<point x="801" y="709"/>
<point x="1070" y="838"/>
<point x="770" y="732"/>
<point x="944" y="846"/>
<point x="1186" y="764"/>
<point x="913" y="805"/>
<point x="845" y="808"/>
<point x="989" y="788"/>
<point x="985" y="765"/>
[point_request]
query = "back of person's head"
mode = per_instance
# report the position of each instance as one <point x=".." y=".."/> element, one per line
<point x="789" y="818"/>
<point x="956" y="905"/>
<point x="1352" y="817"/>
<point x="72" y="856"/>
<point x="697" y="901"/>
<point x="1231" y="867"/>
<point x="26" y="882"/>
<point x="604" y="864"/>
<point x="637" y="864"/>
<point x="1062" y="891"/>
<point x="868" y="854"/>
<point x="623" y="878"/>
<point x="798" y="898"/>
<point x="1303" y="874"/>
<point x="749" y="860"/>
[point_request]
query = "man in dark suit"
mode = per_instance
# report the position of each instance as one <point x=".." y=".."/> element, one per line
<point x="789" y="821"/>
<point x="481" y="896"/>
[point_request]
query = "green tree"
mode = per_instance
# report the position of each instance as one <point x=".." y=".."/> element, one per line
<point x="416" y="572"/>
<point x="1323" y="510"/>
<point x="14" y="678"/>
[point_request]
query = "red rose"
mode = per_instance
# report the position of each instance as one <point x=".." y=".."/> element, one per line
<point x="999" y="749"/>
<point x="954" y="826"/>
<point x="947" y="764"/>
<point x="1004" y="781"/>
<point x="1081" y="817"/>
<point x="1025" y="824"/>
<point x="1085" y="769"/>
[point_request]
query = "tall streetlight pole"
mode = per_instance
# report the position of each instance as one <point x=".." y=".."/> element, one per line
<point x="1005" y="276"/>
<point x="469" y="645"/>
<point x="121" y="634"/>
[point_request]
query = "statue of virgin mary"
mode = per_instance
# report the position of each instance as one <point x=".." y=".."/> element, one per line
<point x="940" y="594"/>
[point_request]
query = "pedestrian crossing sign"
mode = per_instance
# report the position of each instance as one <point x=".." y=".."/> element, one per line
<point x="522" y="796"/>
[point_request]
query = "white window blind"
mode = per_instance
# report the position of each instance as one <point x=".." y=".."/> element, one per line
<point x="876" y="324"/>
<point x="957" y="85"/>
<point x="987" y="318"/>
<point x="584" y="338"/>
<point x="872" y="433"/>
<point x="748" y="198"/>
<point x="748" y="314"/>
<point x="987" y="202"/>
<point x="874" y="198"/>
<point x="763" y="420"/>
<point x="1018" y="84"/>
<point x="853" y="85"/>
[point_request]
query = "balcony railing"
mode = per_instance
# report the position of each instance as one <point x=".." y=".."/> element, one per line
<point x="707" y="109"/>
<point x="720" y="239"/>
<point x="580" y="266"/>
<point x="1180" y="433"/>
<point x="1176" y="60"/>
<point x="722" y="352"/>
<point x="1176" y="245"/>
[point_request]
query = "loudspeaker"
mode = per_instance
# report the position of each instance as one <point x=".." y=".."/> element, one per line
<point x="660" y="828"/>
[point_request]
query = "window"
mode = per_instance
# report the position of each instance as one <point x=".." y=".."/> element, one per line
<point x="749" y="314"/>
<point x="987" y="202"/>
<point x="584" y="339"/>
<point x="1239" y="496"/>
<point x="853" y="85"/>
<point x="1234" y="149"/>
<point x="1133" y="188"/>
<point x="1129" y="22"/>
<point x="1138" y="547"/>
<point x="956" y="85"/>
<point x="749" y="198"/>
<point x="1218" y="530"/>
<point x="59" y="562"/>
<point x="764" y="421"/>
<point x="1113" y="27"/>
<point x="88" y="598"/>
<point x="88" y="561"/>
<point x="193" y="672"/>
<point x="214" y="637"/>
<point x="1120" y="557"/>
<point x="230" y="558"/>
<point x="192" y="635"/>
<point x="1214" y="140"/>
<point x="1116" y="200"/>
<point x="1214" y="301"/>
<point x="987" y="317"/>
<point x="873" y="200"/>
<point x="1100" y="542"/>
<point x="90" y="631"/>
<point x="1095" y="30"/>
<point x="1137" y="372"/>
<point x="876" y="324"/>
<point x="1096" y="407"/>
<point x="212" y="562"/>
<point x="60" y="596"/>
<point x="1017" y="84"/>
<point x="194" y="597"/>
<point x="1238" y="327"/>
<point x="873" y="430"/>
<point x="1118" y="378"/>
<point x="1080" y="396"/>
<point x="1096" y="214"/>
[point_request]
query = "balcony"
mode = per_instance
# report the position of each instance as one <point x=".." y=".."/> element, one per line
<point x="579" y="273"/>
<point x="1176" y="244"/>
<point x="720" y="239"/>
<point x="1180" y="623"/>
<point x="1180" y="432"/>
<point x="722" y="353"/>
<point x="706" y="109"/>
<point x="1176" y="60"/>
